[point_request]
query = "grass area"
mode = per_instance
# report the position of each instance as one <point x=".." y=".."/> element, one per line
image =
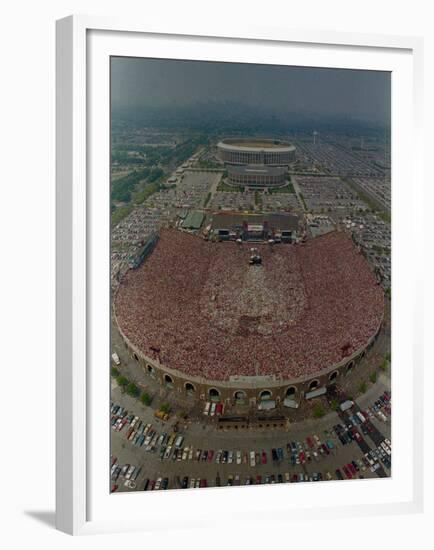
<point x="318" y="411"/>
<point x="258" y="199"/>
<point x="369" y="201"/>
<point x="363" y="386"/>
<point x="208" y="164"/>
<point x="208" y="197"/>
<point x="123" y="188"/>
<point x="385" y="216"/>
<point x="121" y="213"/>
<point x="222" y="186"/>
<point x="145" y="193"/>
<point x="119" y="175"/>
<point x="303" y="201"/>
<point x="287" y="189"/>
<point x="381" y="250"/>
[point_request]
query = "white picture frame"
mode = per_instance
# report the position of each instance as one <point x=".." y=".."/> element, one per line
<point x="84" y="45"/>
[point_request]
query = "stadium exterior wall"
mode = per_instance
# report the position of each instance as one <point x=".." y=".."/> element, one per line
<point x="251" y="387"/>
<point x="271" y="177"/>
<point x="234" y="152"/>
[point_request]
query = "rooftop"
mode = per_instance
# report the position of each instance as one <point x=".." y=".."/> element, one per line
<point x="252" y="144"/>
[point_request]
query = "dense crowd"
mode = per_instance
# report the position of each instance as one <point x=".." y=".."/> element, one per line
<point x="200" y="308"/>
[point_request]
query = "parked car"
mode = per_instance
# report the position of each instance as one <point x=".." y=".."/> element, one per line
<point x="252" y="459"/>
<point x="347" y="472"/>
<point x="135" y="474"/>
<point x="130" y="472"/>
<point x="179" y="441"/>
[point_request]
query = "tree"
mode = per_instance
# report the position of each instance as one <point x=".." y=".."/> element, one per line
<point x="318" y="411"/>
<point x="114" y="372"/>
<point x="145" y="399"/>
<point x="165" y="407"/>
<point x="122" y="381"/>
<point x="384" y="365"/>
<point x="132" y="390"/>
<point x="363" y="387"/>
<point x="373" y="377"/>
<point x="334" y="404"/>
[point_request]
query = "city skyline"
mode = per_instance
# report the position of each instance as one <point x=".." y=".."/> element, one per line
<point x="139" y="83"/>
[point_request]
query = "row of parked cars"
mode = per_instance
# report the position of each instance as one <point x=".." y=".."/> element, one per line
<point x="171" y="446"/>
<point x="383" y="454"/>
<point x="141" y="434"/>
<point x="128" y="474"/>
<point x="298" y="452"/>
<point x="312" y="448"/>
<point x="161" y="483"/>
<point x="382" y="408"/>
<point x="236" y="479"/>
<point x="213" y="409"/>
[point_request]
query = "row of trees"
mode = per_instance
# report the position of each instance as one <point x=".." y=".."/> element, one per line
<point x="319" y="411"/>
<point x="122" y="189"/>
<point x="133" y="390"/>
<point x="384" y="365"/>
<point x="130" y="387"/>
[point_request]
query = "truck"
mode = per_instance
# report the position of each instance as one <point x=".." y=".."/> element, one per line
<point x="161" y="415"/>
<point x="116" y="359"/>
<point x="345" y="405"/>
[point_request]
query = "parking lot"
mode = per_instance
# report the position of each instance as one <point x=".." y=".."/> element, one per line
<point x="339" y="447"/>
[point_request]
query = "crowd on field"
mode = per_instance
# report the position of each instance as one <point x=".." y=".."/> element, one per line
<point x="199" y="307"/>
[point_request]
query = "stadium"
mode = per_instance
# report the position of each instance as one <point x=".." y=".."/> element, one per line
<point x="256" y="163"/>
<point x="207" y="324"/>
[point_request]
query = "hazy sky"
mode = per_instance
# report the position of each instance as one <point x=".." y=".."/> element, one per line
<point x="363" y="95"/>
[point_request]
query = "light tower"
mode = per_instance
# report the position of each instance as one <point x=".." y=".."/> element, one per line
<point x="315" y="133"/>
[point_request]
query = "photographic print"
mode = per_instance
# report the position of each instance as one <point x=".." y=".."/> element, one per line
<point x="250" y="274"/>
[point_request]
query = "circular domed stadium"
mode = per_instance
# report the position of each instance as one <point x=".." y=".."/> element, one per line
<point x="205" y="322"/>
<point x="256" y="163"/>
<point x="272" y="152"/>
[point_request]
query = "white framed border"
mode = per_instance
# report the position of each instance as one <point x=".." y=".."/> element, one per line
<point x="83" y="502"/>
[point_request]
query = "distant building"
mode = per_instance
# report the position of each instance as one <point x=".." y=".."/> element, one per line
<point x="256" y="163"/>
